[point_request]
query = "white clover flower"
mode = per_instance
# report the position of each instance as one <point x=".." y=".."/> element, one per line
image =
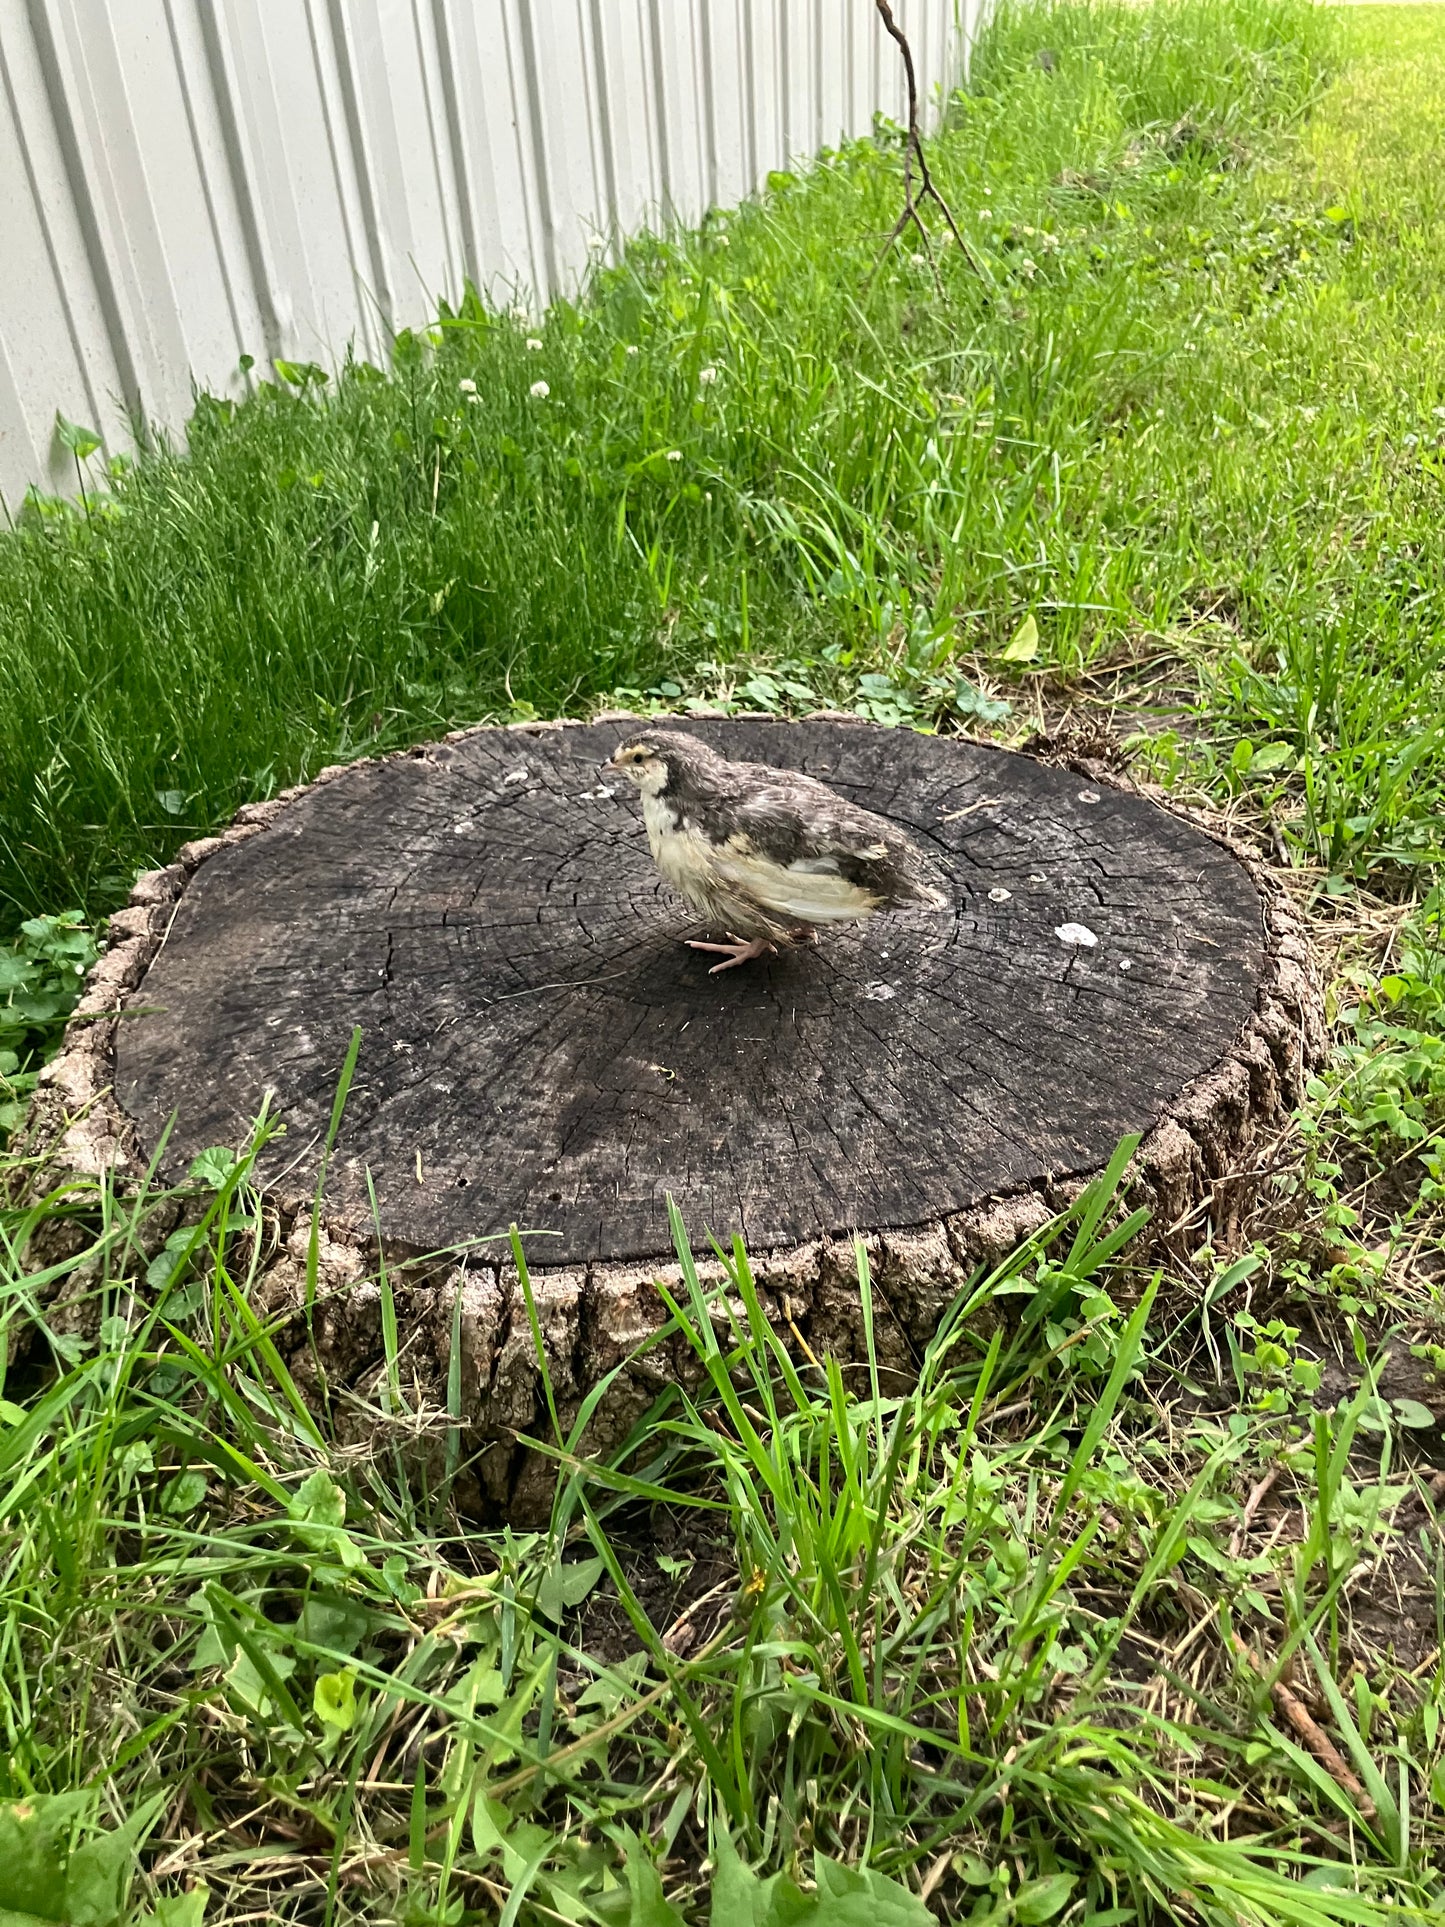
<point x="632" y="347"/>
<point x="918" y="260"/>
<point x="539" y="391"/>
<point x="467" y="385"/>
<point x="985" y="214"/>
<point x="534" y="344"/>
<point x="674" y="454"/>
<point x="707" y="376"/>
<point x="1030" y="268"/>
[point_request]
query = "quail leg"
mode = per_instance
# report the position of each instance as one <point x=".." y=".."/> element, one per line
<point x="734" y="953"/>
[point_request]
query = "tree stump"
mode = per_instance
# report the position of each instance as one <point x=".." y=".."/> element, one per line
<point x="540" y="1048"/>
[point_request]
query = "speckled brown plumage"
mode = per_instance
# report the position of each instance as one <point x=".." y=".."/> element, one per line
<point x="767" y="855"/>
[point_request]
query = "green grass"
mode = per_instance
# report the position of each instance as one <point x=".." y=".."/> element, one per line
<point x="285" y="1666"/>
<point x="814" y="1649"/>
<point x="877" y="481"/>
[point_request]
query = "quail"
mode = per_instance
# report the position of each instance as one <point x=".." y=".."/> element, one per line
<point x="767" y="855"/>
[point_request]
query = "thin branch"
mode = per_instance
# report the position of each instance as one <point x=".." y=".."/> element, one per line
<point x="1251" y="1506"/>
<point x="1313" y="1735"/>
<point x="913" y="154"/>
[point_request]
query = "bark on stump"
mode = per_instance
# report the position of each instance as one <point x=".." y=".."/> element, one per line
<point x="539" y="1047"/>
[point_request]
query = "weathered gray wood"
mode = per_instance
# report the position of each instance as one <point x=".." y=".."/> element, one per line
<point x="540" y="1047"/>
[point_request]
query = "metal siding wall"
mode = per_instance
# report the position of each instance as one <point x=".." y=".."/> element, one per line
<point x="60" y="354"/>
<point x="185" y="181"/>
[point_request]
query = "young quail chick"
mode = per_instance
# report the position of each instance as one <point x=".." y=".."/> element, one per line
<point x="769" y="856"/>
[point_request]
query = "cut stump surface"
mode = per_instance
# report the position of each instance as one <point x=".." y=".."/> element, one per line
<point x="539" y="1047"/>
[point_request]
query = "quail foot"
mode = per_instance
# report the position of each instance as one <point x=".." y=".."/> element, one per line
<point x="769" y="856"/>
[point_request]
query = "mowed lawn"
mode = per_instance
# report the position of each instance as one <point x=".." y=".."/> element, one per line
<point x="1132" y="1608"/>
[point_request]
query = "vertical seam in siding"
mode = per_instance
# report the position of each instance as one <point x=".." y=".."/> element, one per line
<point x="452" y="108"/>
<point x="333" y="153"/>
<point x="203" y="175"/>
<point x="532" y="81"/>
<point x="785" y="85"/>
<point x="709" y="100"/>
<point x="850" y="81"/>
<point x="529" y="189"/>
<point x="240" y="180"/>
<point x="434" y="146"/>
<point x="360" y="162"/>
<point x="48" y="242"/>
<point x="875" y="90"/>
<point x="659" y="106"/>
<point x="749" y="81"/>
<point x="604" y="124"/>
<point x="69" y="142"/>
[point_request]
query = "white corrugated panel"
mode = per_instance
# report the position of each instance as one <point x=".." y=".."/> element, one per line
<point x="186" y="181"/>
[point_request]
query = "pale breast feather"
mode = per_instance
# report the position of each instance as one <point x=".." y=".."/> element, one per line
<point x="684" y="855"/>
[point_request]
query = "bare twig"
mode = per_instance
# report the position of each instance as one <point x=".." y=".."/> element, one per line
<point x="913" y="155"/>
<point x="683" y="1630"/>
<point x="1313" y="1735"/>
<point x="935" y="1873"/>
<point x="1251" y="1506"/>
